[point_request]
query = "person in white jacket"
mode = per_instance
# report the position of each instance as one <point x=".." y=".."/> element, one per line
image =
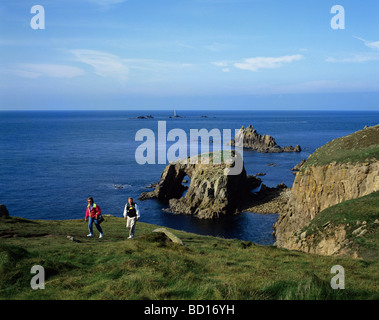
<point x="131" y="215"/>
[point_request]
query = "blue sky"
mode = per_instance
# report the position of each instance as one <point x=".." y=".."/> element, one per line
<point x="189" y="54"/>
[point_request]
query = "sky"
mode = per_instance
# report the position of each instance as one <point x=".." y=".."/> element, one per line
<point x="189" y="54"/>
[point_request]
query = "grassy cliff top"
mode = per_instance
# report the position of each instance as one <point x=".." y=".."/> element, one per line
<point x="149" y="267"/>
<point x="361" y="146"/>
<point x="360" y="217"/>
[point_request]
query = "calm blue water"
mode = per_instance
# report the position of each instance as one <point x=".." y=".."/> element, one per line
<point x="50" y="162"/>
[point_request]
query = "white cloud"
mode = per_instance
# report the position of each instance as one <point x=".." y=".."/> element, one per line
<point x="254" y="64"/>
<point x="360" y="58"/>
<point x="24" y="73"/>
<point x="104" y="64"/>
<point x="370" y="44"/>
<point x="354" y="59"/>
<point x="33" y="71"/>
<point x="221" y="63"/>
<point x="257" y="63"/>
<point x="373" y="45"/>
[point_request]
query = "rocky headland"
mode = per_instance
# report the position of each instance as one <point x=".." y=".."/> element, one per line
<point x="211" y="193"/>
<point x="345" y="168"/>
<point x="251" y="139"/>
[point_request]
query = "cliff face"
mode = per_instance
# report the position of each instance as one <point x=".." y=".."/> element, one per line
<point x="346" y="168"/>
<point x="318" y="188"/>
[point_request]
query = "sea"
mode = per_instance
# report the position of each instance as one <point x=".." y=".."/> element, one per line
<point x="52" y="161"/>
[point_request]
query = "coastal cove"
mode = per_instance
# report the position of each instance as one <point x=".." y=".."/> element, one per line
<point x="51" y="162"/>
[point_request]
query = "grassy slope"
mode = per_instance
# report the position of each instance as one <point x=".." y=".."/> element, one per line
<point x="361" y="146"/>
<point x="353" y="214"/>
<point x="148" y="267"/>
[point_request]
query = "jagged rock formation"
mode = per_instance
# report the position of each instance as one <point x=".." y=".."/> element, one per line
<point x="211" y="193"/>
<point x="344" y="169"/>
<point x="251" y="139"/>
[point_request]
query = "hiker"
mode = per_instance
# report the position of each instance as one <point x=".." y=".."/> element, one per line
<point x="93" y="213"/>
<point x="131" y="215"/>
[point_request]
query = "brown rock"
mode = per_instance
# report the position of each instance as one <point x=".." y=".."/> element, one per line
<point x="211" y="192"/>
<point x="320" y="187"/>
<point x="298" y="166"/>
<point x="343" y="169"/>
<point x="251" y="139"/>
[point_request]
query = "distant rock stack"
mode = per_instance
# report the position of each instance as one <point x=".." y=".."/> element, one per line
<point x="3" y="211"/>
<point x="251" y="139"/>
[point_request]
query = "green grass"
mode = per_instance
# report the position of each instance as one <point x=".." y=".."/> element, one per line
<point x="353" y="214"/>
<point x="361" y="146"/>
<point x="150" y="267"/>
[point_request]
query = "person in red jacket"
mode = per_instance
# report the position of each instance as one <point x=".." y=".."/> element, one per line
<point x="92" y="213"/>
